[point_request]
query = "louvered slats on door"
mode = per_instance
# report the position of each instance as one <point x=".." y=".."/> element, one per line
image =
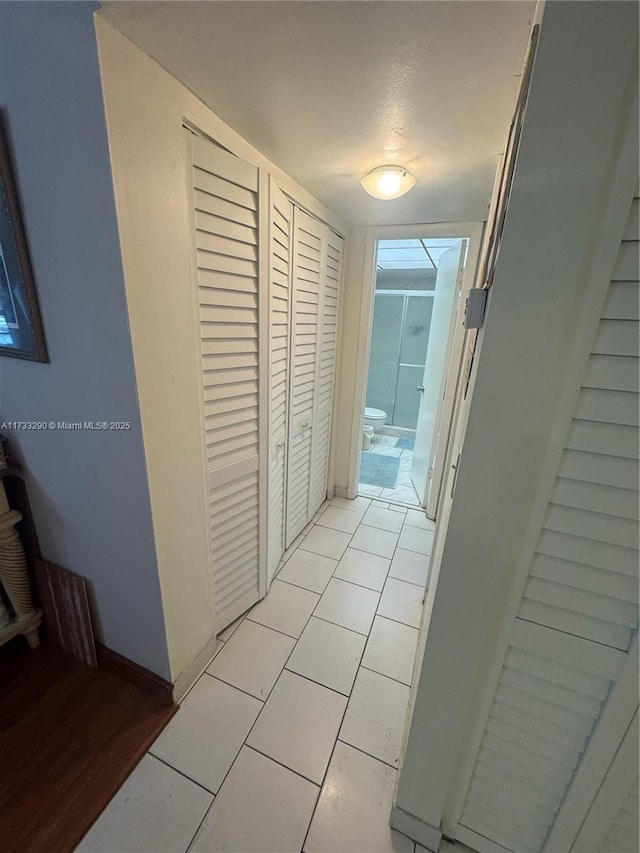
<point x="225" y="198"/>
<point x="280" y="238"/>
<point x="579" y="612"/>
<point x="307" y="260"/>
<point x="327" y="338"/>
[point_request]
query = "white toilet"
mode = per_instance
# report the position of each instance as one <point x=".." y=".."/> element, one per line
<point x="374" y="418"/>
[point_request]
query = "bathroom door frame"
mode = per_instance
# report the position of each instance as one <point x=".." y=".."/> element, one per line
<point x="471" y="230"/>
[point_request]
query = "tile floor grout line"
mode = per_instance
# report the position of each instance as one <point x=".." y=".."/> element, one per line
<point x="280" y="673"/>
<point x="396" y="621"/>
<point x="324" y="777"/>
<point x="299" y="586"/>
<point x="329" y="622"/>
<point x="235" y="686"/>
<point x="182" y="773"/>
<point x="284" y="766"/>
<point x="193" y="837"/>
<point x="346" y="707"/>
<point x="319" y="683"/>
<point x="248" y="735"/>
<point x="344" y="714"/>
<point x="375" y="757"/>
<point x="244" y="742"/>
<point x="384" y="675"/>
<point x="361" y="585"/>
<point x="277" y="630"/>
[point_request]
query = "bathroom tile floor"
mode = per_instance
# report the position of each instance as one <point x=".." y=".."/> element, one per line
<point x="290" y="740"/>
<point x="403" y="491"/>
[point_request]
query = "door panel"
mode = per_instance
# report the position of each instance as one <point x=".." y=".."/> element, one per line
<point x="325" y="367"/>
<point x="304" y="352"/>
<point x="280" y="240"/>
<point x="448" y="282"/>
<point x="225" y="200"/>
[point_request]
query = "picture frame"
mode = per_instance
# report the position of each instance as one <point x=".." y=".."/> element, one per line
<point x="21" y="330"/>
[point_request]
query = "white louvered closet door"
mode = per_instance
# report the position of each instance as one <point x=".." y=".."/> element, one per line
<point x="579" y="613"/>
<point x="331" y="270"/>
<point x="280" y="244"/>
<point x="307" y="262"/>
<point x="225" y="202"/>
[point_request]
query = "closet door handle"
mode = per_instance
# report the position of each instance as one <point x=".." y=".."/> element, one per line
<point x="420" y="388"/>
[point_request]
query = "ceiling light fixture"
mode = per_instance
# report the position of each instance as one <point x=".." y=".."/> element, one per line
<point x="387" y="182"/>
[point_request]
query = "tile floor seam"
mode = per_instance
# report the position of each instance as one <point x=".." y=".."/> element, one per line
<point x="397" y="621"/>
<point x="244" y="742"/>
<point x="181" y="772"/>
<point x="290" y="636"/>
<point x="319" y="684"/>
<point x="396" y="578"/>
<point x="352" y="685"/>
<point x="305" y="588"/>
<point x="280" y="673"/>
<point x="284" y="766"/>
<point x="328" y="621"/>
<point x="403" y="504"/>
<point x="228" y="683"/>
<point x="361" y="585"/>
<point x="324" y="777"/>
<point x="375" y="757"/>
<point x="193" y="837"/>
<point x="384" y="675"/>
<point x="357" y="633"/>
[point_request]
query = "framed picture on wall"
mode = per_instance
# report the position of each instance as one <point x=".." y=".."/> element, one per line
<point x="21" y="332"/>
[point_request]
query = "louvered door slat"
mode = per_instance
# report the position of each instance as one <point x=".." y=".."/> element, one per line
<point x="579" y="611"/>
<point x="325" y="367"/>
<point x="281" y="220"/>
<point x="225" y="199"/>
<point x="307" y="244"/>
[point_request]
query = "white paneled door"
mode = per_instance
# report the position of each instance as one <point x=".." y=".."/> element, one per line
<point x="317" y="264"/>
<point x="225" y="205"/>
<point x="325" y="367"/>
<point x="267" y="284"/>
<point x="280" y="244"/>
<point x="448" y="288"/>
<point x="307" y="263"/>
<point x="576" y="629"/>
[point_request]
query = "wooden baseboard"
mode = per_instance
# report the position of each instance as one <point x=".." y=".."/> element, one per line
<point x="149" y="682"/>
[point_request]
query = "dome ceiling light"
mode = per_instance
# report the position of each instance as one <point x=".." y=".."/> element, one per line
<point x="387" y="182"/>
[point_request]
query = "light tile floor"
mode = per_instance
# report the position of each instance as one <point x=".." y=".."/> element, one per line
<point x="290" y="741"/>
<point x="403" y="491"/>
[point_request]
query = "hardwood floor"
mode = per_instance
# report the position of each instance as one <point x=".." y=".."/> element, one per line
<point x="69" y="736"/>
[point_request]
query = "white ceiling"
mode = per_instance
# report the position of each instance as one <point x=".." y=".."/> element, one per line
<point x="329" y="90"/>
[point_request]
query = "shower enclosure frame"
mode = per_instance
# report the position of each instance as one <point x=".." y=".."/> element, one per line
<point x="420" y="294"/>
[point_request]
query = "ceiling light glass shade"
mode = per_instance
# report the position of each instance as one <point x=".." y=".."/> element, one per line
<point x="387" y="182"/>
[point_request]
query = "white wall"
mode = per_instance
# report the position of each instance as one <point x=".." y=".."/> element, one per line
<point x="88" y="489"/>
<point x="571" y="141"/>
<point x="145" y="109"/>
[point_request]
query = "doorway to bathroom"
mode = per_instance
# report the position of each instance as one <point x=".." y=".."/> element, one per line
<point x="419" y="282"/>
